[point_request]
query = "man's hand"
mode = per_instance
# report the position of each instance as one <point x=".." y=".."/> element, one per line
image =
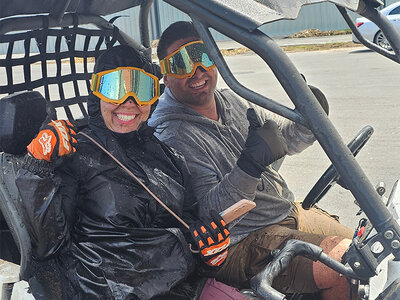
<point x="212" y="239"/>
<point x="55" y="139"/>
<point x="264" y="145"/>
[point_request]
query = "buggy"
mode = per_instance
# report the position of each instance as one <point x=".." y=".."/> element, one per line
<point x="51" y="33"/>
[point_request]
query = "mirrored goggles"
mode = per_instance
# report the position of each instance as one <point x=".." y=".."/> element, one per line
<point x="184" y="61"/>
<point x="115" y="86"/>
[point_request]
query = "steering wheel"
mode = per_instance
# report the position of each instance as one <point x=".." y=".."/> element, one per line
<point x="331" y="176"/>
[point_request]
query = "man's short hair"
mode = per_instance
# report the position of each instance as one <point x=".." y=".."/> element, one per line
<point x="175" y="31"/>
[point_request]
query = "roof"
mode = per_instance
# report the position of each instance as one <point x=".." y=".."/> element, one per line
<point x="91" y="7"/>
<point x="250" y="14"/>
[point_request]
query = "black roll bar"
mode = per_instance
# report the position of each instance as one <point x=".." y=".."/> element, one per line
<point x="235" y="85"/>
<point x="59" y="9"/>
<point x="382" y="23"/>
<point x="15" y="24"/>
<point x="26" y="23"/>
<point x="144" y="26"/>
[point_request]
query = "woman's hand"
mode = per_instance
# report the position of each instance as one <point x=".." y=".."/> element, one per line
<point x="54" y="140"/>
<point x="212" y="239"/>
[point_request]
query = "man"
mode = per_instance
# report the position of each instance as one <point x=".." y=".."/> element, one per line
<point x="230" y="160"/>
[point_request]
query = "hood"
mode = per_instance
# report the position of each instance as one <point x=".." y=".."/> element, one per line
<point x="168" y="108"/>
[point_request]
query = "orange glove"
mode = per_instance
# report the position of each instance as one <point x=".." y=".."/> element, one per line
<point x="212" y="239"/>
<point x="55" y="139"/>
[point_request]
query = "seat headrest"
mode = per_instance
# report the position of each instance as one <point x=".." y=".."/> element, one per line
<point x="21" y="115"/>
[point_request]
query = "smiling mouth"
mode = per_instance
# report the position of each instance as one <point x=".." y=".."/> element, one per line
<point x="198" y="85"/>
<point x="125" y="118"/>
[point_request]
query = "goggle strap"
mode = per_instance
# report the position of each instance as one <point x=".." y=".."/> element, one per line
<point x="163" y="66"/>
<point x="93" y="86"/>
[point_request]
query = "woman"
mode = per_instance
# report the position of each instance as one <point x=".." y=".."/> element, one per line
<point x="108" y="235"/>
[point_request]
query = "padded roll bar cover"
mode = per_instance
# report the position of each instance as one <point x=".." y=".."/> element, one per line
<point x="21" y="115"/>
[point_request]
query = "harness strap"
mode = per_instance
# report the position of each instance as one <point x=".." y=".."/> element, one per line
<point x="136" y="178"/>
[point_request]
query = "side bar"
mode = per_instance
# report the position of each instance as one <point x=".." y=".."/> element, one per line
<point x="144" y="26"/>
<point x="36" y="22"/>
<point x="237" y="86"/>
<point x="386" y="27"/>
<point x="58" y="10"/>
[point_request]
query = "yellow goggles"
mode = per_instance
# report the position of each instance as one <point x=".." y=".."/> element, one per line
<point x="115" y="86"/>
<point x="184" y="61"/>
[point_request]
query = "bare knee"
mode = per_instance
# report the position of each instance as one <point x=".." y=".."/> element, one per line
<point x="325" y="277"/>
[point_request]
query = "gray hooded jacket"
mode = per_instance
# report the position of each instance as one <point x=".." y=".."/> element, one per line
<point x="211" y="149"/>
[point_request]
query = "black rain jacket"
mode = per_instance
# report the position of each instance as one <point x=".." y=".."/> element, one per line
<point x="111" y="239"/>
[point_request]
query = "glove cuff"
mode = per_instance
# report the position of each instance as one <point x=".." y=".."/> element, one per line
<point x="248" y="165"/>
<point x="38" y="167"/>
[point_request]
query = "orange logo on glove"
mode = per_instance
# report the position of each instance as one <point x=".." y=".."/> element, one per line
<point x="45" y="141"/>
<point x="55" y="139"/>
<point x="217" y="248"/>
<point x="217" y="260"/>
<point x="212" y="239"/>
<point x="64" y="134"/>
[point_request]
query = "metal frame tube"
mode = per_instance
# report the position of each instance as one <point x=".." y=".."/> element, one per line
<point x="144" y="26"/>
<point x="237" y="86"/>
<point x="59" y="9"/>
<point x="394" y="40"/>
<point x="385" y="25"/>
<point x="36" y="22"/>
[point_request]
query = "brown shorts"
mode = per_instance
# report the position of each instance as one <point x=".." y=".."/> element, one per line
<point x="251" y="255"/>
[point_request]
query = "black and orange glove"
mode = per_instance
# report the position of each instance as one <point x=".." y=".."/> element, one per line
<point x="212" y="239"/>
<point x="54" y="139"/>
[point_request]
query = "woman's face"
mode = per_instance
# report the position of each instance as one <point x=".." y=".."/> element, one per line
<point x="126" y="117"/>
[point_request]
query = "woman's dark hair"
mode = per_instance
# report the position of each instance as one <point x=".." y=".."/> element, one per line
<point x="176" y="31"/>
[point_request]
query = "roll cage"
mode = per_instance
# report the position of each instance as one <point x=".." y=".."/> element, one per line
<point x="66" y="20"/>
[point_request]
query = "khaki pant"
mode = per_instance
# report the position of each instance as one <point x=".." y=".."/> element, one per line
<point x="251" y="255"/>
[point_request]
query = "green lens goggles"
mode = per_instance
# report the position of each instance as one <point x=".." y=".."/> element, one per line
<point x="115" y="86"/>
<point x="184" y="61"/>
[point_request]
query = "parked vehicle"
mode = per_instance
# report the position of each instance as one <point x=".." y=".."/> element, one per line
<point x="372" y="32"/>
<point x="49" y="31"/>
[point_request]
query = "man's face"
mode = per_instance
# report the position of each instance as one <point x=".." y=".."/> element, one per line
<point x="124" y="118"/>
<point x="197" y="90"/>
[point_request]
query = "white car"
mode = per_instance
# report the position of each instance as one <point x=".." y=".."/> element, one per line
<point x="372" y="32"/>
